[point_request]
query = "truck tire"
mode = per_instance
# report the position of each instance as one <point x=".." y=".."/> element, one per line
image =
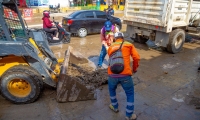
<point x="176" y="40"/>
<point x="21" y="84"/>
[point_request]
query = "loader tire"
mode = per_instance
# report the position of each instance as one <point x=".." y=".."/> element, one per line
<point x="176" y="41"/>
<point x="36" y="73"/>
<point x="21" y="84"/>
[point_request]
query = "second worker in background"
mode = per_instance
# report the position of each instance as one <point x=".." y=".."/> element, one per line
<point x="107" y="36"/>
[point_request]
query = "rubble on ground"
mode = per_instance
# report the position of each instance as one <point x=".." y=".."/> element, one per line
<point x="87" y="76"/>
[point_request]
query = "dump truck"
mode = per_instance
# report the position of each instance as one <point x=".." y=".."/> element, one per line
<point x="27" y="62"/>
<point x="162" y="21"/>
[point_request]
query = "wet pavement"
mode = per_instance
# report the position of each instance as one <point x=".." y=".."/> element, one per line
<point x="167" y="87"/>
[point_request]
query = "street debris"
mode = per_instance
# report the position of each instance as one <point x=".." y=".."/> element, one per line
<point x="86" y="75"/>
<point x="78" y="81"/>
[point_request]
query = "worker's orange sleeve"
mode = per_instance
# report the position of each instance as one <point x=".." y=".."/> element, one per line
<point x="136" y="58"/>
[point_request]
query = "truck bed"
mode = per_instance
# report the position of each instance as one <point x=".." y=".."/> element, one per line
<point x="164" y="13"/>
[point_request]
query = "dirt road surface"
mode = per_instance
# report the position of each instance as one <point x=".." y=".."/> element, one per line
<point x="167" y="87"/>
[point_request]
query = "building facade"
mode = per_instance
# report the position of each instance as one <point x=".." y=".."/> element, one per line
<point x="68" y="3"/>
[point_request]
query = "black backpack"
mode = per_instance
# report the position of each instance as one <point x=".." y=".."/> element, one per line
<point x="116" y="61"/>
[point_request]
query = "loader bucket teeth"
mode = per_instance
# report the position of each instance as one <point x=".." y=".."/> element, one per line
<point x="71" y="88"/>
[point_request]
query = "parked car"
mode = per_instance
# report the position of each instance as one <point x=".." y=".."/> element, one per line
<point x="84" y="22"/>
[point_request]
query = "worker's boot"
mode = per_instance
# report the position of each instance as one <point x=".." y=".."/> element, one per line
<point x="113" y="109"/>
<point x="133" y="117"/>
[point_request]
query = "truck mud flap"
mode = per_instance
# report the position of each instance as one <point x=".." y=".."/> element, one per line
<point x="69" y="88"/>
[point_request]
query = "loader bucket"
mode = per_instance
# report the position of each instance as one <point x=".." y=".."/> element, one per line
<point x="69" y="88"/>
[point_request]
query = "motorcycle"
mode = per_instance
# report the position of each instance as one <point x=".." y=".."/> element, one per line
<point x="63" y="35"/>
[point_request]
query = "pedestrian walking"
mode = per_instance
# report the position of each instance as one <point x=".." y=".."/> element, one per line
<point x="107" y="36"/>
<point x="124" y="78"/>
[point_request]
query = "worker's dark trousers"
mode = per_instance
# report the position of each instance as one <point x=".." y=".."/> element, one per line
<point x="102" y="55"/>
<point x="127" y="85"/>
